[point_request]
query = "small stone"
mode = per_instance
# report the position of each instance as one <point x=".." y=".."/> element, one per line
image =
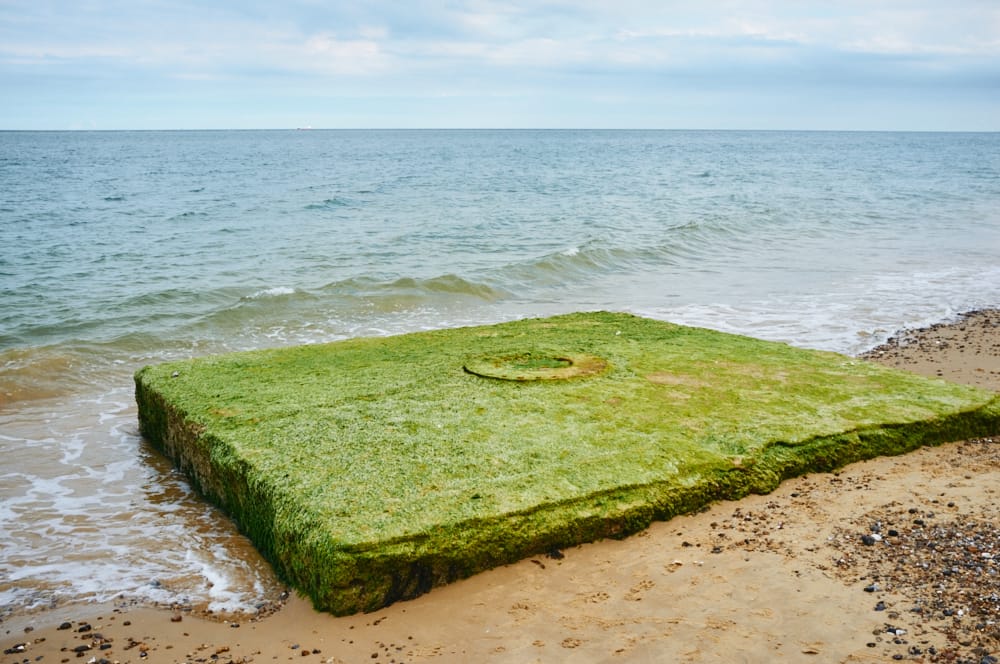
<point x="65" y="625"/>
<point x="867" y="540"/>
<point x="880" y="606"/>
<point x="893" y="532"/>
<point x="872" y="588"/>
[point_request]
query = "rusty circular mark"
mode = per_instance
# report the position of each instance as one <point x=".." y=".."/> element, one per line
<point x="536" y="365"/>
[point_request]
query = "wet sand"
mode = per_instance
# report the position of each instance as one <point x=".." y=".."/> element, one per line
<point x="890" y="559"/>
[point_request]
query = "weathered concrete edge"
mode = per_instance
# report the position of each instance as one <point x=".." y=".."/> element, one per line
<point x="345" y="580"/>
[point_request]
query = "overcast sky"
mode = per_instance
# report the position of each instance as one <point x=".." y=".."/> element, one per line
<point x="734" y="64"/>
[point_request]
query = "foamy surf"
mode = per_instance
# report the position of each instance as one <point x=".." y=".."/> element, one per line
<point x="85" y="518"/>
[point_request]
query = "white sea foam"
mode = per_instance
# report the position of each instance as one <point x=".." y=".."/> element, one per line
<point x="858" y="316"/>
<point x="276" y="291"/>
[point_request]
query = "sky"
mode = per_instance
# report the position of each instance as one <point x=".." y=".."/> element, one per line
<point x="729" y="64"/>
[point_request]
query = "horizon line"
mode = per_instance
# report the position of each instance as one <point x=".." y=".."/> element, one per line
<point x="618" y="129"/>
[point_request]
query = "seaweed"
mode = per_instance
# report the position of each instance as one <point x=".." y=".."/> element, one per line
<point x="371" y="470"/>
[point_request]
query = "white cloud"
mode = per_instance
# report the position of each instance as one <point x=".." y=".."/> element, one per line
<point x="326" y="53"/>
<point x="643" y="51"/>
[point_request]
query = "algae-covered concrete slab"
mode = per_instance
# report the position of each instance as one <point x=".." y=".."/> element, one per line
<point x="371" y="470"/>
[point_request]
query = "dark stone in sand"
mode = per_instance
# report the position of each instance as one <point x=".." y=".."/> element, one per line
<point x="867" y="540"/>
<point x="65" y="625"/>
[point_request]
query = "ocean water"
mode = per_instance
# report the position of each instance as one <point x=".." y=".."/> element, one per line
<point x="120" y="249"/>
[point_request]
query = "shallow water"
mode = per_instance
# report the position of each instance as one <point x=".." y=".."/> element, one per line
<point x="120" y="249"/>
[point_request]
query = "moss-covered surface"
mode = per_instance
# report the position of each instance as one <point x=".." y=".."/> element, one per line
<point x="373" y="469"/>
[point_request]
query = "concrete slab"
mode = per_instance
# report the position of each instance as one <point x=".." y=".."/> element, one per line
<point x="371" y="470"/>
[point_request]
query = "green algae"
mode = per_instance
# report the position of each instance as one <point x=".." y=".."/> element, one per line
<point x="370" y="470"/>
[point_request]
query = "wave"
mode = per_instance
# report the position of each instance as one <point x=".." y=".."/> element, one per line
<point x="53" y="371"/>
<point x="276" y="291"/>
<point x="282" y="315"/>
<point x="329" y="204"/>
<point x="189" y="214"/>
<point x="449" y="284"/>
<point x="593" y="259"/>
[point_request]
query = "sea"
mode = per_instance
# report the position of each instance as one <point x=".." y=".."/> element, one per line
<point x="122" y="249"/>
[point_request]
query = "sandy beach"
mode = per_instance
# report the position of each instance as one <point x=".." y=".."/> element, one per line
<point x="890" y="559"/>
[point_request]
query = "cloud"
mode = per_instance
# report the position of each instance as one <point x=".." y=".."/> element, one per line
<point x="630" y="52"/>
<point x="372" y="37"/>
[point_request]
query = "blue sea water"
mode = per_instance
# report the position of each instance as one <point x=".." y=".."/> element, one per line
<point x="119" y="249"/>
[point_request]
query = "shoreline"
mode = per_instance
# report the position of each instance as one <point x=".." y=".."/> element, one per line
<point x="795" y="575"/>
